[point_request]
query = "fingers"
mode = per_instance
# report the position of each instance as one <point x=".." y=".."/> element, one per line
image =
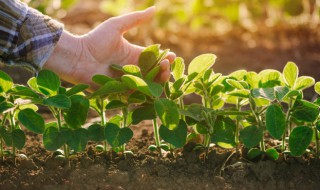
<point x="128" y="21"/>
<point x="164" y="73"/>
<point x="171" y="57"/>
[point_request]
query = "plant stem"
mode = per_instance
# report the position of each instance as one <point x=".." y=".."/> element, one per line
<point x="288" y="126"/>
<point x="237" y="127"/>
<point x="181" y="105"/>
<point x="156" y="135"/>
<point x="124" y="124"/>
<point x="259" y="122"/>
<point x="65" y="147"/>
<point x="12" y="124"/>
<point x="103" y="122"/>
<point x="317" y="141"/>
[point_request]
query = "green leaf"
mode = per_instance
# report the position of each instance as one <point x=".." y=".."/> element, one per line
<point x="76" y="89"/>
<point x="267" y="93"/>
<point x="168" y="113"/>
<point x="216" y="89"/>
<point x="275" y="121"/>
<point x="132" y="70"/>
<point x="253" y="153"/>
<point x="177" y="137"/>
<point x="58" y="101"/>
<point x="238" y="75"/>
<point x="155" y="88"/>
<point x="224" y="132"/>
<point x="281" y="92"/>
<point x="305" y="111"/>
<point x="32" y="82"/>
<point x="5" y="82"/>
<point x="115" y="104"/>
<point x="235" y="84"/>
<point x="31" y="120"/>
<point x="136" y="83"/>
<point x="272" y="153"/>
<point x="4" y="106"/>
<point x="151" y="75"/>
<point x="240" y="93"/>
<point x="201" y="63"/>
<point x="48" y="82"/>
<point x="117" y="136"/>
<point x="317" y="88"/>
<point x="23" y="92"/>
<point x="146" y="112"/>
<point x="6" y="136"/>
<point x="52" y="138"/>
<point x="148" y="58"/>
<point x="96" y="132"/>
<point x="136" y="98"/>
<point x="78" y="140"/>
<point x="18" y="138"/>
<point x="299" y="140"/>
<point x="251" y="136"/>
<point x="177" y="85"/>
<point x="269" y="78"/>
<point x="101" y="79"/>
<point x="178" y="68"/>
<point x="109" y="88"/>
<point x="77" y="114"/>
<point x="290" y="74"/>
<point x="252" y="78"/>
<point x="304" y="82"/>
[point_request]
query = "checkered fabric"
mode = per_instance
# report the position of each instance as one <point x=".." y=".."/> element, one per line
<point x="27" y="37"/>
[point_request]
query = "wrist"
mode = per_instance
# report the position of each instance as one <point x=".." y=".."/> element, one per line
<point x="64" y="58"/>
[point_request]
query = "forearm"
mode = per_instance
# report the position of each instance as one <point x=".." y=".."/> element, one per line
<point x="27" y="38"/>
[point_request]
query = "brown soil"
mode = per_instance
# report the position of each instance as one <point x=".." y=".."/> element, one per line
<point x="146" y="170"/>
<point x="266" y="48"/>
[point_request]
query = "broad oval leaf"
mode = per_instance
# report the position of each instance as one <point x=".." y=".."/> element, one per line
<point x="136" y="98"/>
<point x="305" y="111"/>
<point x="254" y="153"/>
<point x="23" y="92"/>
<point x="151" y="75"/>
<point x="115" y="104"/>
<point x="48" y="82"/>
<point x="178" y="68"/>
<point x="299" y="140"/>
<point x="168" y="112"/>
<point x="267" y="93"/>
<point x="4" y="106"/>
<point x="31" y="120"/>
<point x="58" y="101"/>
<point x="52" y="138"/>
<point x="240" y="93"/>
<point x="132" y="70"/>
<point x="146" y="112"/>
<point x="78" y="140"/>
<point x="76" y="89"/>
<point x="109" y="88"/>
<point x="148" y="58"/>
<point x="201" y="63"/>
<point x="304" y="82"/>
<point x="252" y="78"/>
<point x="177" y="137"/>
<point x="18" y="138"/>
<point x="101" y="79"/>
<point x="224" y="132"/>
<point x="275" y="121"/>
<point x="76" y="115"/>
<point x="136" y="83"/>
<point x="6" y="82"/>
<point x="155" y="88"/>
<point x="235" y="84"/>
<point x="290" y="74"/>
<point x="317" y="88"/>
<point x="272" y="153"/>
<point x="96" y="132"/>
<point x="117" y="136"/>
<point x="269" y="78"/>
<point x="251" y="136"/>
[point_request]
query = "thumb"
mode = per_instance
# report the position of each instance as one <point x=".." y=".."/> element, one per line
<point x="128" y="21"/>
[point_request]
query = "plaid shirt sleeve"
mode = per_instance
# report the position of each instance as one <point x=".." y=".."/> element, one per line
<point x="27" y="37"/>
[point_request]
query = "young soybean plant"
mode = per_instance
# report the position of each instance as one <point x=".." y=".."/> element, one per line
<point x="70" y="109"/>
<point x="112" y="95"/>
<point x="14" y="105"/>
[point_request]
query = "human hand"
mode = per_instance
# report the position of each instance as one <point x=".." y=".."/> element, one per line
<point x="77" y="58"/>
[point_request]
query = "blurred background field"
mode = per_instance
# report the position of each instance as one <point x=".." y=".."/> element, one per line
<point x="244" y="34"/>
